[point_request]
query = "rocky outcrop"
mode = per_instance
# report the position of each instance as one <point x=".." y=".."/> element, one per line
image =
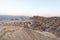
<point x="49" y="24"/>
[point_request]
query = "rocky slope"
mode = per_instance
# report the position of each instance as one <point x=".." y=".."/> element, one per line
<point x="49" y="24"/>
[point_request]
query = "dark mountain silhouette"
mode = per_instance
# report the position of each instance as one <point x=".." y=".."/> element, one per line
<point x="9" y="17"/>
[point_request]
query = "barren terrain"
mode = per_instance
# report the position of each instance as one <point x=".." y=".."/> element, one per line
<point x="33" y="28"/>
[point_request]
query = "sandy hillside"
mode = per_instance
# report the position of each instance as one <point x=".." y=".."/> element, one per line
<point x="19" y="33"/>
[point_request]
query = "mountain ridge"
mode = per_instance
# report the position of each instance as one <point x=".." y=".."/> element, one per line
<point x="9" y="17"/>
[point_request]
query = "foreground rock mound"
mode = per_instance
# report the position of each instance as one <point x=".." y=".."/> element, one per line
<point x="25" y="34"/>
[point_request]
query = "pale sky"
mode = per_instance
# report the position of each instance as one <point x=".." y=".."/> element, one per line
<point x="30" y="7"/>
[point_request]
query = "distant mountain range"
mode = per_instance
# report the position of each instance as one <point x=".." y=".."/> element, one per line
<point x="9" y="17"/>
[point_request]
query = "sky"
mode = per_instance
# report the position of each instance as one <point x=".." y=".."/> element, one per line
<point x="30" y="7"/>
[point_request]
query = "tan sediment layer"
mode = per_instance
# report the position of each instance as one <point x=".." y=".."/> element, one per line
<point x="16" y="33"/>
